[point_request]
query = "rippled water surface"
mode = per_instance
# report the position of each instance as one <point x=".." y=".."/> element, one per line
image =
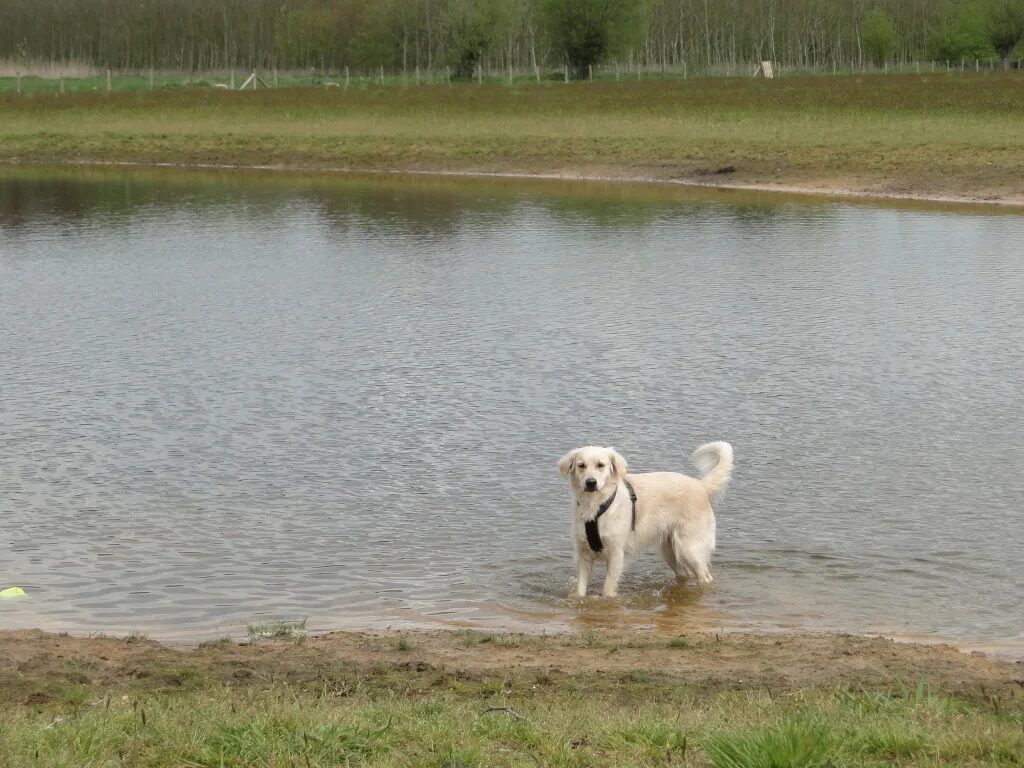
<point x="231" y="397"/>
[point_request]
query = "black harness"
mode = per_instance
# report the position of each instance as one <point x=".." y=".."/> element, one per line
<point x="593" y="535"/>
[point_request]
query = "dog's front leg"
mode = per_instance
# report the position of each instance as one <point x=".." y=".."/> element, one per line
<point x="611" y="577"/>
<point x="583" y="565"/>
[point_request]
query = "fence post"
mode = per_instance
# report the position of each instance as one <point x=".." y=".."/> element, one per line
<point x="685" y="67"/>
<point x="346" y="77"/>
<point x="151" y="78"/>
<point x="565" y="72"/>
<point x="108" y="80"/>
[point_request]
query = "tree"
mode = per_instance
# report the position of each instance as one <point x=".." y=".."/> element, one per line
<point x="584" y="32"/>
<point x="472" y="27"/>
<point x="1005" y="25"/>
<point x="961" y="33"/>
<point x="877" y="36"/>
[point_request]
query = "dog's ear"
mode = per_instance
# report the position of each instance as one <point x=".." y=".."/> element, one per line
<point x="565" y="463"/>
<point x="619" y="465"/>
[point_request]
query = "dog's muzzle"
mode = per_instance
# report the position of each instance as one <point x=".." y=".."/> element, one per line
<point x="590" y="484"/>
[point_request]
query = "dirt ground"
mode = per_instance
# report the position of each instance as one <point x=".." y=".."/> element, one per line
<point x="37" y="668"/>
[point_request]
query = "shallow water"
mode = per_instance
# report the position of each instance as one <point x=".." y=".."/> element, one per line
<point x="226" y="397"/>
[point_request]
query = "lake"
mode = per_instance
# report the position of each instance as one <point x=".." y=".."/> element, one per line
<point x="233" y="396"/>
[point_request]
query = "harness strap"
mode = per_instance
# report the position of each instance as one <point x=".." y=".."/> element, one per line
<point x="632" y="497"/>
<point x="593" y="535"/>
<point x="590" y="526"/>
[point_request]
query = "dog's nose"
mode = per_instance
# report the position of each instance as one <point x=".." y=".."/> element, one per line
<point x="590" y="484"/>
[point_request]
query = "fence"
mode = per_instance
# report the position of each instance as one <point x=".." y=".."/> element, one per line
<point x="78" y="77"/>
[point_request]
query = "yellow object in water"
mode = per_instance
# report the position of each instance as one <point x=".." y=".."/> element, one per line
<point x="11" y="592"/>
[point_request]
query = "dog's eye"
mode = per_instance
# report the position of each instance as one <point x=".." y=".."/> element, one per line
<point x="581" y="465"/>
<point x="600" y="466"/>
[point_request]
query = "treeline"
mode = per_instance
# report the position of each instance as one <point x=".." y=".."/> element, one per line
<point x="464" y="35"/>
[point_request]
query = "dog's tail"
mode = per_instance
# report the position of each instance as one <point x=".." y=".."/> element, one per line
<point x="714" y="462"/>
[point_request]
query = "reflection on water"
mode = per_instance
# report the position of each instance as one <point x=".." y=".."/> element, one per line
<point x="227" y="396"/>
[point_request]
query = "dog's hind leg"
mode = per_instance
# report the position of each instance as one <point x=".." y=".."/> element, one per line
<point x="695" y="557"/>
<point x="668" y="552"/>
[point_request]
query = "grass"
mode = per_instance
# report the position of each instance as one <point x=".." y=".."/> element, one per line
<point x="931" y="134"/>
<point x="799" y="742"/>
<point x="458" y="723"/>
<point x="482" y="699"/>
<point x="276" y="630"/>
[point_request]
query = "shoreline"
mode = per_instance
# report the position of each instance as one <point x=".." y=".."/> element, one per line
<point x="819" y="189"/>
<point x="718" y="660"/>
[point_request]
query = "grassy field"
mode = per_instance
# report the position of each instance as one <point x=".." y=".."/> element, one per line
<point x="955" y="135"/>
<point x="478" y="699"/>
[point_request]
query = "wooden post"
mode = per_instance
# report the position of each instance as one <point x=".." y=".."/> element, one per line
<point x="565" y="72"/>
<point x="17" y="75"/>
<point x="684" y="70"/>
<point x="346" y="77"/>
<point x="590" y="70"/>
<point x="977" y="67"/>
<point x="62" y="82"/>
<point x="417" y="74"/>
<point x="232" y="79"/>
<point x="275" y="77"/>
<point x="536" y="72"/>
<point x="151" y="78"/>
<point x="382" y="75"/>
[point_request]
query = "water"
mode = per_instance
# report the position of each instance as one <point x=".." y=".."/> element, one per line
<point x="231" y="397"/>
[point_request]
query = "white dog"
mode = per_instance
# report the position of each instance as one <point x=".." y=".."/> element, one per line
<point x="615" y="514"/>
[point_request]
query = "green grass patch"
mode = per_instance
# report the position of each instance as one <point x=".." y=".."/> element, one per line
<point x="283" y="725"/>
<point x="277" y="629"/>
<point x="954" y="134"/>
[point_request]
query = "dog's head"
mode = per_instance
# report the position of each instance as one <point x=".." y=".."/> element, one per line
<point x="591" y="468"/>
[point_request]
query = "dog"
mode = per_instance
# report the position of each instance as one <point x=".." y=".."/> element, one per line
<point x="615" y="514"/>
